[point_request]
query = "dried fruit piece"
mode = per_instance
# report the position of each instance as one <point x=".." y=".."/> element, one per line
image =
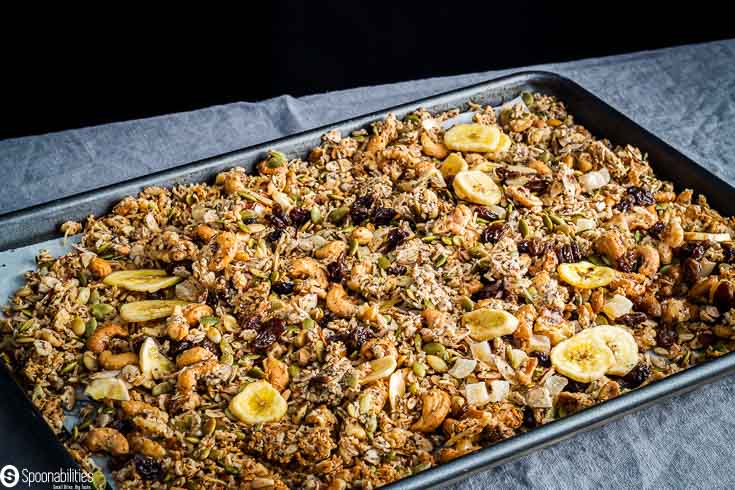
<point x="453" y="165"/>
<point x="143" y="280"/>
<point x="706" y="237"/>
<point x="586" y="275"/>
<point x="153" y="364"/>
<point x="489" y="323"/>
<point x="621" y="343"/>
<point x="582" y="358"/>
<point x="474" y="137"/>
<point x="107" y="388"/>
<point x="477" y="187"/>
<point x="143" y="311"/>
<point x="258" y="403"/>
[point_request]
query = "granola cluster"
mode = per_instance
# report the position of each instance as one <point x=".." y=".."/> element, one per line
<point x="379" y="308"/>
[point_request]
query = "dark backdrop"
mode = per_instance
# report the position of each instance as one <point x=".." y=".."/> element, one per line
<point x="59" y="75"/>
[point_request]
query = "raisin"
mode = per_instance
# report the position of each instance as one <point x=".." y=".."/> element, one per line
<point x="568" y="253"/>
<point x="538" y="185"/>
<point x="179" y="347"/>
<point x="274" y="236"/>
<point x="656" y="229"/>
<point x="278" y="218"/>
<point x="691" y="250"/>
<point x="528" y="419"/>
<point x="575" y="387"/>
<point x="635" y="196"/>
<point x="488" y="291"/>
<point x="504" y="173"/>
<point x="360" y="209"/>
<point x="148" y="468"/>
<point x="632" y="319"/>
<point x="486" y="214"/>
<point x="299" y="216"/>
<point x="637" y="375"/>
<point x="383" y="216"/>
<point x="543" y="359"/>
<point x="396" y="270"/>
<point x="116" y="463"/>
<point x="724" y="297"/>
<point x="628" y="262"/>
<point x="706" y="339"/>
<point x="493" y="232"/>
<point x="326" y="319"/>
<point x="355" y="339"/>
<point x="395" y="237"/>
<point x="210" y="346"/>
<point x="269" y="333"/>
<point x="282" y="287"/>
<point x="691" y="271"/>
<point x="665" y="337"/>
<point x="534" y="247"/>
<point x="337" y="270"/>
<point x="728" y="253"/>
<point x="123" y="426"/>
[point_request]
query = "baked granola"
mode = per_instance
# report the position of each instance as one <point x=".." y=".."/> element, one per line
<point x="401" y="297"/>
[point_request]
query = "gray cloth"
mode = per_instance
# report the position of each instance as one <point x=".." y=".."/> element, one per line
<point x="683" y="94"/>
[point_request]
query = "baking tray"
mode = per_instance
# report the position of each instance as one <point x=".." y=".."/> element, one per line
<point x="40" y="223"/>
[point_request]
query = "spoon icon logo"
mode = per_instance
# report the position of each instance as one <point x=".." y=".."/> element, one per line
<point x="9" y="476"/>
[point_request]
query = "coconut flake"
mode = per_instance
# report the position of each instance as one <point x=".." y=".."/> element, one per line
<point x="617" y="306"/>
<point x="594" y="180"/>
<point x="499" y="390"/>
<point x="482" y="351"/>
<point x="555" y="384"/>
<point x="538" y="397"/>
<point x="463" y="368"/>
<point x="584" y="224"/>
<point x="539" y="343"/>
<point x="476" y="394"/>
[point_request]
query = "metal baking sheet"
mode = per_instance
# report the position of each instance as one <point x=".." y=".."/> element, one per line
<point x="40" y="224"/>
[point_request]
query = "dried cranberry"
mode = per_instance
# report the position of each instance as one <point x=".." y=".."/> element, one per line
<point x="278" y="217"/>
<point x="357" y="337"/>
<point x="396" y="270"/>
<point x="575" y="387"/>
<point x="637" y="375"/>
<point x="210" y="346"/>
<point x="568" y="253"/>
<point x="493" y="232"/>
<point x="270" y="331"/>
<point x="486" y="214"/>
<point x="395" y="237"/>
<point x="488" y="291"/>
<point x="274" y="236"/>
<point x="148" y="468"/>
<point x="326" y="319"/>
<point x="533" y="247"/>
<point x="337" y="270"/>
<point x="665" y="337"/>
<point x="656" y="229"/>
<point x="632" y="319"/>
<point x="282" y="287"/>
<point x="383" y="216"/>
<point x="543" y="359"/>
<point x="691" y="250"/>
<point x="299" y="216"/>
<point x="179" y="347"/>
<point x="706" y="339"/>
<point x="250" y="322"/>
<point x="628" y="262"/>
<point x="360" y="209"/>
<point x="635" y="196"/>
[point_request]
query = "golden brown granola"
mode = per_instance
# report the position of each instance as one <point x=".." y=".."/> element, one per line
<point x="398" y="299"/>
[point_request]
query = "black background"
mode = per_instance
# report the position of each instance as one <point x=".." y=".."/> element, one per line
<point x="109" y="66"/>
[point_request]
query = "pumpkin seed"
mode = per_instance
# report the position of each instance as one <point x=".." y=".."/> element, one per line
<point x="338" y="215"/>
<point x="383" y="262"/>
<point x="308" y="323"/>
<point x="466" y="303"/>
<point x="434" y="348"/>
<point x="102" y="310"/>
<point x="437" y="364"/>
<point x="83" y="295"/>
<point x="161" y="388"/>
<point x="419" y="369"/>
<point x="556" y="219"/>
<point x="316" y="215"/>
<point x="547" y="222"/>
<point x="352" y="246"/>
<point x="94" y="297"/>
<point x="523" y="228"/>
<point x="440" y="261"/>
<point x="293" y="370"/>
<point x="69" y="367"/>
<point x="276" y="159"/>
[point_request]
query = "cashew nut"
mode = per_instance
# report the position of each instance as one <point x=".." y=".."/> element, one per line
<point x="177" y="328"/>
<point x="276" y="372"/>
<point x="362" y="235"/>
<point x="189" y="376"/>
<point x="523" y="196"/>
<point x="146" y="447"/>
<point x="204" y="232"/>
<point x="436" y="408"/>
<point x="131" y="408"/>
<point x="100" y="267"/>
<point x="432" y="148"/>
<point x="100" y="338"/>
<point x="642" y="218"/>
<point x="378" y="347"/>
<point x="331" y="250"/>
<point x="339" y="302"/>
<point x="232" y="181"/>
<point x="673" y="234"/>
<point x="193" y="356"/>
<point x="226" y="247"/>
<point x="610" y="244"/>
<point x="106" y="439"/>
<point x="108" y="360"/>
<point x="307" y="267"/>
<point x="194" y="312"/>
<point x="650" y="260"/>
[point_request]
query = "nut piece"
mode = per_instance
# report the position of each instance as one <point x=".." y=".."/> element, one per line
<point x="107" y="440"/>
<point x="111" y="361"/>
<point x="100" y="267"/>
<point x="100" y="338"/>
<point x="194" y="312"/>
<point x="193" y="356"/>
<point x="436" y="408"/>
<point x="276" y="372"/>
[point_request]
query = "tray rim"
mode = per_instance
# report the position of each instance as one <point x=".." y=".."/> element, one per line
<point x="486" y="458"/>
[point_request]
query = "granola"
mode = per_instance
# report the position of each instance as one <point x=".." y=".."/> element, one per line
<point x="401" y="297"/>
